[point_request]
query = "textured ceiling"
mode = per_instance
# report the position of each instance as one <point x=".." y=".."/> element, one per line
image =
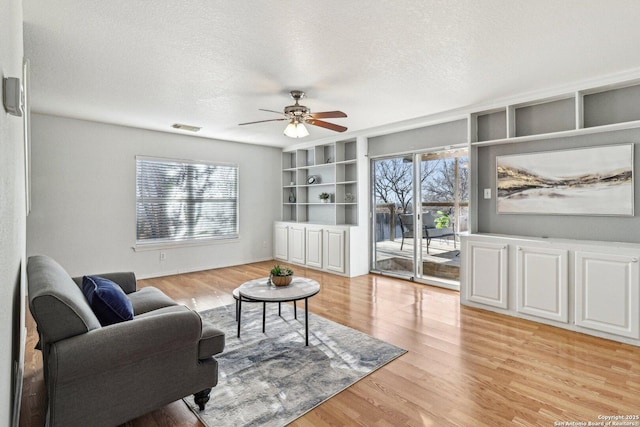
<point x="212" y="64"/>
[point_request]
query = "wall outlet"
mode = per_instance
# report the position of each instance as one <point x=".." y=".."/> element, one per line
<point x="163" y="256"/>
<point x="487" y="193"/>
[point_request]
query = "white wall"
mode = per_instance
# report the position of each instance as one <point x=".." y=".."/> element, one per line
<point x="83" y="197"/>
<point x="12" y="209"/>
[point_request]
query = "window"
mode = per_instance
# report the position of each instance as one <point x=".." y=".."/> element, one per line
<point x="178" y="200"/>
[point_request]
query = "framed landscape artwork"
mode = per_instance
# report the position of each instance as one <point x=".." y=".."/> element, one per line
<point x="582" y="181"/>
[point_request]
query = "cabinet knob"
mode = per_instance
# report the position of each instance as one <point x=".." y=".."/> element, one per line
<point x="519" y="248"/>
<point x="634" y="259"/>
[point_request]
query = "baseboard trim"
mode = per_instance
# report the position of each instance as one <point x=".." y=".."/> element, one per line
<point x="195" y="269"/>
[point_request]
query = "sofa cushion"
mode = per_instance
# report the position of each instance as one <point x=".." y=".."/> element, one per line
<point x="107" y="300"/>
<point x="149" y="299"/>
<point x="211" y="342"/>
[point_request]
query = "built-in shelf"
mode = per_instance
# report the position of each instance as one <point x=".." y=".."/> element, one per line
<point x="334" y="167"/>
<point x="574" y="132"/>
<point x="594" y="110"/>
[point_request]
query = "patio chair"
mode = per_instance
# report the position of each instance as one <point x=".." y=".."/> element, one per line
<point x="406" y="226"/>
<point x="429" y="230"/>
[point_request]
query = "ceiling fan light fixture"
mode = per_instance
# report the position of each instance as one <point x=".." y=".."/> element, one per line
<point x="298" y="115"/>
<point x="296" y="129"/>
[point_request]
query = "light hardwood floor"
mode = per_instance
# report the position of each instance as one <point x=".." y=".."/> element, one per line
<point x="464" y="367"/>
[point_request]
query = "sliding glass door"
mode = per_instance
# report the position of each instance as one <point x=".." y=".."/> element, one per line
<point x="420" y="208"/>
<point x="392" y="185"/>
<point x="444" y="195"/>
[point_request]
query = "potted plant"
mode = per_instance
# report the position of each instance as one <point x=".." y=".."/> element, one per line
<point x="281" y="276"/>
<point x="443" y="220"/>
<point x="325" y="197"/>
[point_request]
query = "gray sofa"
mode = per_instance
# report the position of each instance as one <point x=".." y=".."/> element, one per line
<point x="106" y="375"/>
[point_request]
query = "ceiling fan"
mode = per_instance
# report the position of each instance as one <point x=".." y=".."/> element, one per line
<point x="298" y="115"/>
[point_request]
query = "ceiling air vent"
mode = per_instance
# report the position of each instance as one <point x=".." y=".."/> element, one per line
<point x="185" y="127"/>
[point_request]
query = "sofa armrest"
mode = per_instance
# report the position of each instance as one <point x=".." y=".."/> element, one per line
<point x="122" y="344"/>
<point x="126" y="280"/>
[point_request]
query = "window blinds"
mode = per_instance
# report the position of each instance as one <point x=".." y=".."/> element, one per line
<point x="179" y="200"/>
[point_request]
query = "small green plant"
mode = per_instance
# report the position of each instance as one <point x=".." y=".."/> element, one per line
<point x="443" y="220"/>
<point x="279" y="270"/>
<point x="324" y="196"/>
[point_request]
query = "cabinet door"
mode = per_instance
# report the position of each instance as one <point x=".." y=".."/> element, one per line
<point x="543" y="282"/>
<point x="281" y="242"/>
<point x="335" y="250"/>
<point x="314" y="247"/>
<point x="297" y="244"/>
<point x="607" y="297"/>
<point x="486" y="273"/>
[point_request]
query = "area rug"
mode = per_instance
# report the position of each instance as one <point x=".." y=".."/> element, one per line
<point x="272" y="378"/>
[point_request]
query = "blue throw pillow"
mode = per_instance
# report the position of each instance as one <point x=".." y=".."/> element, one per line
<point x="107" y="300"/>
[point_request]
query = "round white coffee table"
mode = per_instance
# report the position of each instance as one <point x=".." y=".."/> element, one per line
<point x="261" y="290"/>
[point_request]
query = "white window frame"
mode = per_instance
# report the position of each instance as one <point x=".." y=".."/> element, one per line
<point x="189" y="240"/>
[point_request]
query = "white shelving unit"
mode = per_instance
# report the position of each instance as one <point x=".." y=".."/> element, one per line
<point x="592" y="110"/>
<point x="327" y="168"/>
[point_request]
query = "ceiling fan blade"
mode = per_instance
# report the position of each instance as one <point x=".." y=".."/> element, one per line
<point x="326" y="125"/>
<point x="271" y="111"/>
<point x="261" y="121"/>
<point x="328" y="115"/>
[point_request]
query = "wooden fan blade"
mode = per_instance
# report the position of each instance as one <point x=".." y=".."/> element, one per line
<point x="326" y="125"/>
<point x="261" y="121"/>
<point x="271" y="111"/>
<point x="328" y="115"/>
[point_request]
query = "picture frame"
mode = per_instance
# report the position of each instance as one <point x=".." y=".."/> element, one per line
<point x="581" y="181"/>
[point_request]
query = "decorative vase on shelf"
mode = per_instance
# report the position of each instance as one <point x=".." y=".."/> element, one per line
<point x="292" y="197"/>
<point x="324" y="197"/>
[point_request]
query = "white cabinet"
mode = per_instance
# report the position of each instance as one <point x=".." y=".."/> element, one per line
<point x="281" y="242"/>
<point x="607" y="297"/>
<point x="587" y="286"/>
<point x="486" y="273"/>
<point x="335" y="250"/>
<point x="297" y="245"/>
<point x="322" y="247"/>
<point x="542" y="282"/>
<point x="314" y="247"/>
